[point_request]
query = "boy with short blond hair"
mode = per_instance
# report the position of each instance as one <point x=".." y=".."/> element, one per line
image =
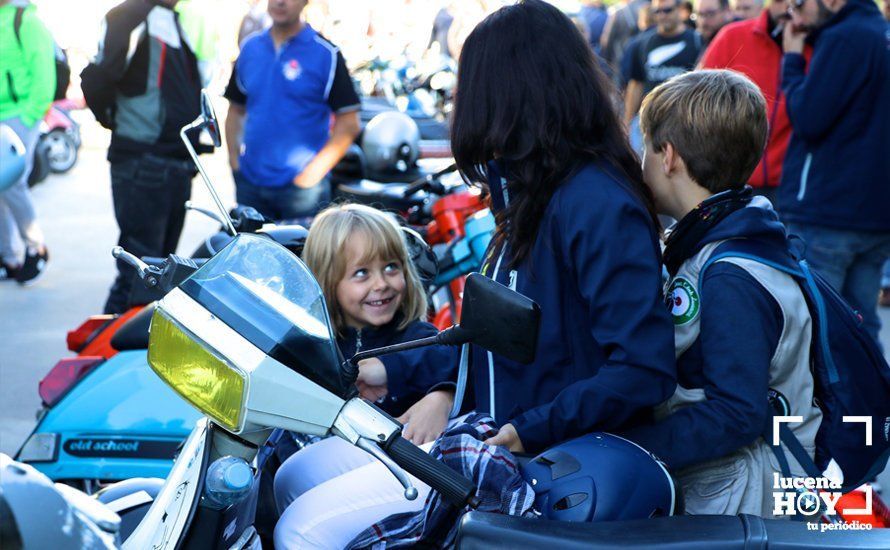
<point x="742" y="329"/>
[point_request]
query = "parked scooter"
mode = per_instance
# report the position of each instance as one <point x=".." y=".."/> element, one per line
<point x="89" y="433"/>
<point x="246" y="339"/>
<point x="58" y="144"/>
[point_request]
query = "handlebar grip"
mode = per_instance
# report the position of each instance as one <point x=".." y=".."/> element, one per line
<point x="416" y="186"/>
<point x="453" y="487"/>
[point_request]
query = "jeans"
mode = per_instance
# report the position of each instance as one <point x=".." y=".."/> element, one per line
<point x="287" y="202"/>
<point x="149" y="195"/>
<point x="852" y="262"/>
<point x="885" y="276"/>
<point x="635" y="135"/>
<point x="18" y="220"/>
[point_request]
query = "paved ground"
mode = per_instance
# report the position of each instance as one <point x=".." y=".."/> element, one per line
<point x="76" y="215"/>
<point x="75" y="212"/>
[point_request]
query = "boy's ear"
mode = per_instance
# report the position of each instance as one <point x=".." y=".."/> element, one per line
<point x="669" y="159"/>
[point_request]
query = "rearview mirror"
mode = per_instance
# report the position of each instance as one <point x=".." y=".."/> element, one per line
<point x="209" y="120"/>
<point x="499" y="319"/>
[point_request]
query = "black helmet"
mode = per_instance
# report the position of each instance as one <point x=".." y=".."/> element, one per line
<point x="422" y="256"/>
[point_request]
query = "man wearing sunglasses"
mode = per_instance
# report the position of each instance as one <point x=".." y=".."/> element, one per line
<point x="668" y="49"/>
<point x="835" y="190"/>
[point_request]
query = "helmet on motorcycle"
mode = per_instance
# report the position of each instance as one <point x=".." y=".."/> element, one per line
<point x="12" y="157"/>
<point x="601" y="477"/>
<point x="391" y="141"/>
<point x="291" y="237"/>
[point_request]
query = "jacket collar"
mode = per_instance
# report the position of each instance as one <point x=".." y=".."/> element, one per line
<point x="850" y="8"/>
<point x="761" y="24"/>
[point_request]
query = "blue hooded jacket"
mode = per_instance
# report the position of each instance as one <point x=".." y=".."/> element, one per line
<point x="409" y="374"/>
<point x="837" y="168"/>
<point x="730" y="360"/>
<point x="605" y="349"/>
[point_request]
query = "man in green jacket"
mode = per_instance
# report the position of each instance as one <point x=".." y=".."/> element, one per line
<point x="27" y="87"/>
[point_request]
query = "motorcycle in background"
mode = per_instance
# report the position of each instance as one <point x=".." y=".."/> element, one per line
<point x="59" y="141"/>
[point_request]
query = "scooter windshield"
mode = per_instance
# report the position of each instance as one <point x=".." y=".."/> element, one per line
<point x="265" y="293"/>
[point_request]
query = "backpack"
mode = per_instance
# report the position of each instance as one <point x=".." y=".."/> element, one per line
<point x="851" y="375"/>
<point x="63" y="70"/>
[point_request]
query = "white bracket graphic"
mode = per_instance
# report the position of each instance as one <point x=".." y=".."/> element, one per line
<point x="865" y="420"/>
<point x="778" y="421"/>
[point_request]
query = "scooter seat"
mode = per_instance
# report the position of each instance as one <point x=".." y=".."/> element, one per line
<point x="133" y="334"/>
<point x="384" y="195"/>
<point x="486" y="531"/>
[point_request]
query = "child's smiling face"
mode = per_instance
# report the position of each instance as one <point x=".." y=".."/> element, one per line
<point x="371" y="290"/>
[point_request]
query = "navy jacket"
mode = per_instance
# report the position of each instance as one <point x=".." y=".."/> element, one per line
<point x="605" y="348"/>
<point x="730" y="360"/>
<point x="410" y="374"/>
<point x="837" y="168"/>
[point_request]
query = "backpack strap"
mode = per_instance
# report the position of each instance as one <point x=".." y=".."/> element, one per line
<point x="790" y="441"/>
<point x="781" y="261"/>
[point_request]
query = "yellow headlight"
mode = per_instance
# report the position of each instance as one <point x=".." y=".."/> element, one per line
<point x="196" y="374"/>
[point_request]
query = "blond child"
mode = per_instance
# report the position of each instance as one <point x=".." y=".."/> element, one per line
<point x="742" y="330"/>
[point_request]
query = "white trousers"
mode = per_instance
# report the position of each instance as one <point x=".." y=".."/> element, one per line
<point x="331" y="491"/>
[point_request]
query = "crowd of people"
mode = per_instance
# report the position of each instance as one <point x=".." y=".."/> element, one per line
<point x="583" y="133"/>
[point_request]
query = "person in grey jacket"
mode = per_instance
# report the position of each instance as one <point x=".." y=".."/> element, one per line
<point x="144" y="85"/>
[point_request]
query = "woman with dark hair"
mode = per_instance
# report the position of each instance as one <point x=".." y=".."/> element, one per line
<point x="576" y="232"/>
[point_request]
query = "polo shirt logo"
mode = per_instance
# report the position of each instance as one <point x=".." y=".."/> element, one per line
<point x="291" y="69"/>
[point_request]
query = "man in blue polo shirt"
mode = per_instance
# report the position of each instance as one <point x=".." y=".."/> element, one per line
<point x="285" y="85"/>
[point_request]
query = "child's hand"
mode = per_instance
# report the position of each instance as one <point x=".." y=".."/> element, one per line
<point x="507" y="437"/>
<point x="371" y="381"/>
<point x="426" y="419"/>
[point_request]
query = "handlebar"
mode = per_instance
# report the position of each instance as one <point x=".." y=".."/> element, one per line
<point x="453" y="487"/>
<point x="427" y="182"/>
<point x="166" y="276"/>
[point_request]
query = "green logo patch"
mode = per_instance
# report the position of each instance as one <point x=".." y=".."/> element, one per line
<point x="685" y="303"/>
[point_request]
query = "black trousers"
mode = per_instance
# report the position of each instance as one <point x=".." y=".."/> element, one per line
<point x="149" y="195"/>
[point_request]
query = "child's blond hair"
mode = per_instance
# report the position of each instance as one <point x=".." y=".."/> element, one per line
<point x="715" y="120"/>
<point x="324" y="254"/>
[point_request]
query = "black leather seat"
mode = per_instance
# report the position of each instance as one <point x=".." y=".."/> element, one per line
<point x="134" y="333"/>
<point x="486" y="531"/>
<point x="384" y="195"/>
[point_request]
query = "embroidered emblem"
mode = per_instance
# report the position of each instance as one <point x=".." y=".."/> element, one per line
<point x="685" y="303"/>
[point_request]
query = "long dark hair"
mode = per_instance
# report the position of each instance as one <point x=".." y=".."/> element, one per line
<point x="531" y="93"/>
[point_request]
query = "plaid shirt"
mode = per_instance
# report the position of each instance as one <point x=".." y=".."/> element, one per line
<point x="494" y="470"/>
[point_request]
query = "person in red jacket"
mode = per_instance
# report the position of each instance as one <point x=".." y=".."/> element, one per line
<point x="754" y="47"/>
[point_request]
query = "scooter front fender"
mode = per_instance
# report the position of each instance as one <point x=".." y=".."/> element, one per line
<point x="171" y="512"/>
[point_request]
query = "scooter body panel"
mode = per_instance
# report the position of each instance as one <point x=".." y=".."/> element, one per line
<point x="120" y="421"/>
<point x="173" y="508"/>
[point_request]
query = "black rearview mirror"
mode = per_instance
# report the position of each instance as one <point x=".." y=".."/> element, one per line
<point x="499" y="319"/>
<point x="209" y="120"/>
